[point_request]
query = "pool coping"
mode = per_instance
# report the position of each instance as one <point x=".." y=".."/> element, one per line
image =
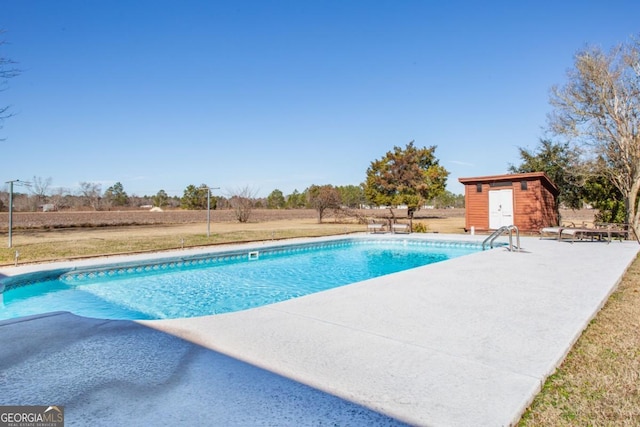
<point x="125" y="259"/>
<point x="468" y="341"/>
<point x="134" y="264"/>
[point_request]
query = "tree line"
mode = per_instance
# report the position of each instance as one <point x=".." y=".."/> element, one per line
<point x="38" y="194"/>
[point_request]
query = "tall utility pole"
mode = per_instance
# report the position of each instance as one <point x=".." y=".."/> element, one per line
<point x="209" y="209"/>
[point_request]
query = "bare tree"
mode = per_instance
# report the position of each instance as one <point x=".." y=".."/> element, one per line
<point x="7" y="71"/>
<point x="90" y="192"/>
<point x="39" y="189"/>
<point x="241" y="201"/>
<point x="323" y="197"/>
<point x="599" y="108"/>
<point x="21" y="202"/>
<point x="4" y="198"/>
<point x="59" y="198"/>
<point x="222" y="203"/>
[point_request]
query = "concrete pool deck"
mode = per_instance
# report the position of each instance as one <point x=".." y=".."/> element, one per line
<point x="464" y="342"/>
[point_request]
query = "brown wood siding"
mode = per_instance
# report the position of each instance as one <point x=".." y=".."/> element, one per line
<point x="550" y="211"/>
<point x="533" y="208"/>
<point x="528" y="212"/>
<point x="477" y="207"/>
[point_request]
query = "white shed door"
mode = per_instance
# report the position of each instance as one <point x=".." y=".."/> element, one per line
<point x="500" y="208"/>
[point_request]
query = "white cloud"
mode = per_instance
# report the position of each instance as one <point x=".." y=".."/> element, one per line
<point x="461" y="163"/>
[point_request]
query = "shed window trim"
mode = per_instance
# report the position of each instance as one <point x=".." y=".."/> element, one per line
<point x="479" y="188"/>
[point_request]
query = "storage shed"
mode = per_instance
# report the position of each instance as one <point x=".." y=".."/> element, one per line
<point x="526" y="200"/>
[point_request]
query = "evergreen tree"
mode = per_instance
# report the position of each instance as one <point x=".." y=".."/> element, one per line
<point x="116" y="196"/>
<point x="275" y="200"/>
<point x="408" y="176"/>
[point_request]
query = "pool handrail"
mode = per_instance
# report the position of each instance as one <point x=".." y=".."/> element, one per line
<point x="493" y="236"/>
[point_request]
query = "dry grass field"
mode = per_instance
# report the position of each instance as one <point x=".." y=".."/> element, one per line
<point x="51" y="236"/>
<point x="597" y="385"/>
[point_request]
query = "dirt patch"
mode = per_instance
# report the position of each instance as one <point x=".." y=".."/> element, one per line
<point x="71" y="219"/>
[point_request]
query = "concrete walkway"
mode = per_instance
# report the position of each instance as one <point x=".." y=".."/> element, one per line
<point x="464" y="342"/>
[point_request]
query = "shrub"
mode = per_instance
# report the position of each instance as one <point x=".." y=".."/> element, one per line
<point x="420" y="227"/>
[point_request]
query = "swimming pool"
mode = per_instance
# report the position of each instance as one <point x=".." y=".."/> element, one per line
<point x="218" y="282"/>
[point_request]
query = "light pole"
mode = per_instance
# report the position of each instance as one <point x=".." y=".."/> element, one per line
<point x="209" y="209"/>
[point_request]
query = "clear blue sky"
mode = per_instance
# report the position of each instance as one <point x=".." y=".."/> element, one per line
<point x="282" y="94"/>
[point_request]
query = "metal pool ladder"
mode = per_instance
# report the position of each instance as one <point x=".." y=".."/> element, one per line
<point x="499" y="232"/>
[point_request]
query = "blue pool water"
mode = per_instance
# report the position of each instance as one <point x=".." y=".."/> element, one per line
<point x="221" y="283"/>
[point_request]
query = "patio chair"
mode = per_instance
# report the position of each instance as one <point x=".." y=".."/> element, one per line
<point x="600" y="232"/>
<point x="400" y="228"/>
<point x="375" y="227"/>
<point x="614" y="230"/>
<point x="556" y="231"/>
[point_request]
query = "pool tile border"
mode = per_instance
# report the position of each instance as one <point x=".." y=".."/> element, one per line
<point x="73" y="275"/>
